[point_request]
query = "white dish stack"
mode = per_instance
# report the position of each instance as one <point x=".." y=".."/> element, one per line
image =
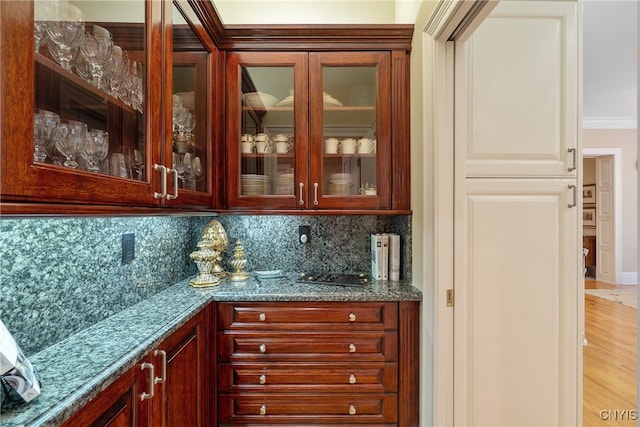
<point x="252" y="184"/>
<point x="340" y="184"/>
<point x="284" y="186"/>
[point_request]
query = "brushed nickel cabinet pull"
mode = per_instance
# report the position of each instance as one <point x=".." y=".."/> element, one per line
<point x="315" y="194"/>
<point x="152" y="376"/>
<point x="263" y="379"/>
<point x="163" y="182"/>
<point x="263" y="348"/>
<point x="301" y="188"/>
<point x="352" y="348"/>
<point x="352" y="379"/>
<point x="175" y="184"/>
<point x="352" y="317"/>
<point x="262" y="317"/>
<point x="575" y="197"/>
<point x="263" y="410"/>
<point x="575" y="159"/>
<point x="352" y="409"/>
<point x="161" y="379"/>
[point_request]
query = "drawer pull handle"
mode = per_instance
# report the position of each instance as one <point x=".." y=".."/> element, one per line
<point x="352" y="410"/>
<point x="352" y="317"/>
<point x="352" y="348"/>
<point x="262" y="317"/>
<point x="161" y="379"/>
<point x="263" y="410"/>
<point x="352" y="379"/>
<point x="152" y="377"/>
<point x="263" y="348"/>
<point x="263" y="379"/>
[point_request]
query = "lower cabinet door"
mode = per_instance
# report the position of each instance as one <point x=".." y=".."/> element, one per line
<point x="280" y="409"/>
<point x="120" y="405"/>
<point x="180" y="371"/>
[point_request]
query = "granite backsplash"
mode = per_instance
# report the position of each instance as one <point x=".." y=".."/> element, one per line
<point x="61" y="275"/>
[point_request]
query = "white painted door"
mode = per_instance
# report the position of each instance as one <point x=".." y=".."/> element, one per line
<point x="516" y="100"/>
<point x="605" y="220"/>
<point x="518" y="307"/>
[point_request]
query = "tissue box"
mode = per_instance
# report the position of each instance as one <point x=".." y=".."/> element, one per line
<point x="16" y="370"/>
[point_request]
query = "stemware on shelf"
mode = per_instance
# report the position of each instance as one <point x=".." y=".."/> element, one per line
<point x="115" y="70"/>
<point x="70" y="138"/>
<point x="65" y="29"/>
<point x="43" y="11"/>
<point x="95" y="149"/>
<point x="133" y="94"/>
<point x="96" y="49"/>
<point x="45" y="124"/>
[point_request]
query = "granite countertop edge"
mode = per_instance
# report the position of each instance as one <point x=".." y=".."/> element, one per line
<point x="142" y="327"/>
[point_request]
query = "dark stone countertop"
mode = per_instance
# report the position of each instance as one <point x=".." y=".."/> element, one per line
<point x="75" y="370"/>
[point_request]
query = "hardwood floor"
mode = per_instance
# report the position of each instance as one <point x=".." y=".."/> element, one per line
<point x="610" y="361"/>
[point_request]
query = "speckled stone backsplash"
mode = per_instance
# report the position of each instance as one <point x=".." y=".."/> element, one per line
<point x="60" y="276"/>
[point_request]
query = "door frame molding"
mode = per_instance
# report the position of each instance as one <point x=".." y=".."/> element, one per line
<point x="617" y="201"/>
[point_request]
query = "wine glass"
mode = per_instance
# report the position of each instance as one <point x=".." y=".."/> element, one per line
<point x="65" y="30"/>
<point x="115" y="70"/>
<point x="138" y="162"/>
<point x="45" y="124"/>
<point x="95" y="149"/>
<point x="96" y="49"/>
<point x="133" y="85"/>
<point x="43" y="10"/>
<point x="70" y="138"/>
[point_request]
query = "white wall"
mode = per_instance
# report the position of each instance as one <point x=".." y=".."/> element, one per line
<point x="306" y="11"/>
<point x="625" y="139"/>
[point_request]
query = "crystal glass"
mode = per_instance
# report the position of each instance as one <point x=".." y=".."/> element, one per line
<point x="95" y="149"/>
<point x="115" y="70"/>
<point x="43" y="11"/>
<point x="133" y="85"/>
<point x="45" y="124"/>
<point x="96" y="49"/>
<point x="66" y="31"/>
<point x="70" y="138"/>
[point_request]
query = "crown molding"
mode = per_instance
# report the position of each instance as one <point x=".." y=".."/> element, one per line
<point x="610" y="123"/>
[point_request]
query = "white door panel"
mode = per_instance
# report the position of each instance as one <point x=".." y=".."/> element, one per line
<point x="516" y="310"/>
<point x="520" y="69"/>
<point x="605" y="220"/>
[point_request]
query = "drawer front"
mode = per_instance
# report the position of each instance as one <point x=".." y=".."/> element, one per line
<point x="308" y="316"/>
<point x="372" y="377"/>
<point x="348" y="409"/>
<point x="308" y="346"/>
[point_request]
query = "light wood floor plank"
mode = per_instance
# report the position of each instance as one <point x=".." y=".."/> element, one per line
<point x="610" y="360"/>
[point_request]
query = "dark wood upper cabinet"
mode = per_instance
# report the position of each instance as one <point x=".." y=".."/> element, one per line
<point x="335" y="121"/>
<point x="176" y="105"/>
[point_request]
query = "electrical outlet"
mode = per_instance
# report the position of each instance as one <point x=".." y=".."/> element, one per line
<point x="304" y="233"/>
<point x="128" y="247"/>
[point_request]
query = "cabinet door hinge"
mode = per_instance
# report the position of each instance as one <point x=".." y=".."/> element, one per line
<point x="450" y="298"/>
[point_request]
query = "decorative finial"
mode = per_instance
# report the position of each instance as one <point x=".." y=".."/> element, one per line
<point x="238" y="263"/>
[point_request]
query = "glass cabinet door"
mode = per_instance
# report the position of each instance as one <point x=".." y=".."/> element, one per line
<point x="190" y="153"/>
<point x="267" y="137"/>
<point x="350" y="130"/>
<point x="90" y="71"/>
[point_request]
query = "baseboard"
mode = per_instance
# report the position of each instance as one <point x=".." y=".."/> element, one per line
<point x="629" y="278"/>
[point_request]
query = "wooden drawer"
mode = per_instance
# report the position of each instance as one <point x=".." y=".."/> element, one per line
<point x="308" y="316"/>
<point x="308" y="346"/>
<point x="372" y="377"/>
<point x="281" y="409"/>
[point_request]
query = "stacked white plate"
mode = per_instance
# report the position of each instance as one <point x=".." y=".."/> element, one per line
<point x="259" y="100"/>
<point x="252" y="184"/>
<point x="284" y="186"/>
<point x="340" y="184"/>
